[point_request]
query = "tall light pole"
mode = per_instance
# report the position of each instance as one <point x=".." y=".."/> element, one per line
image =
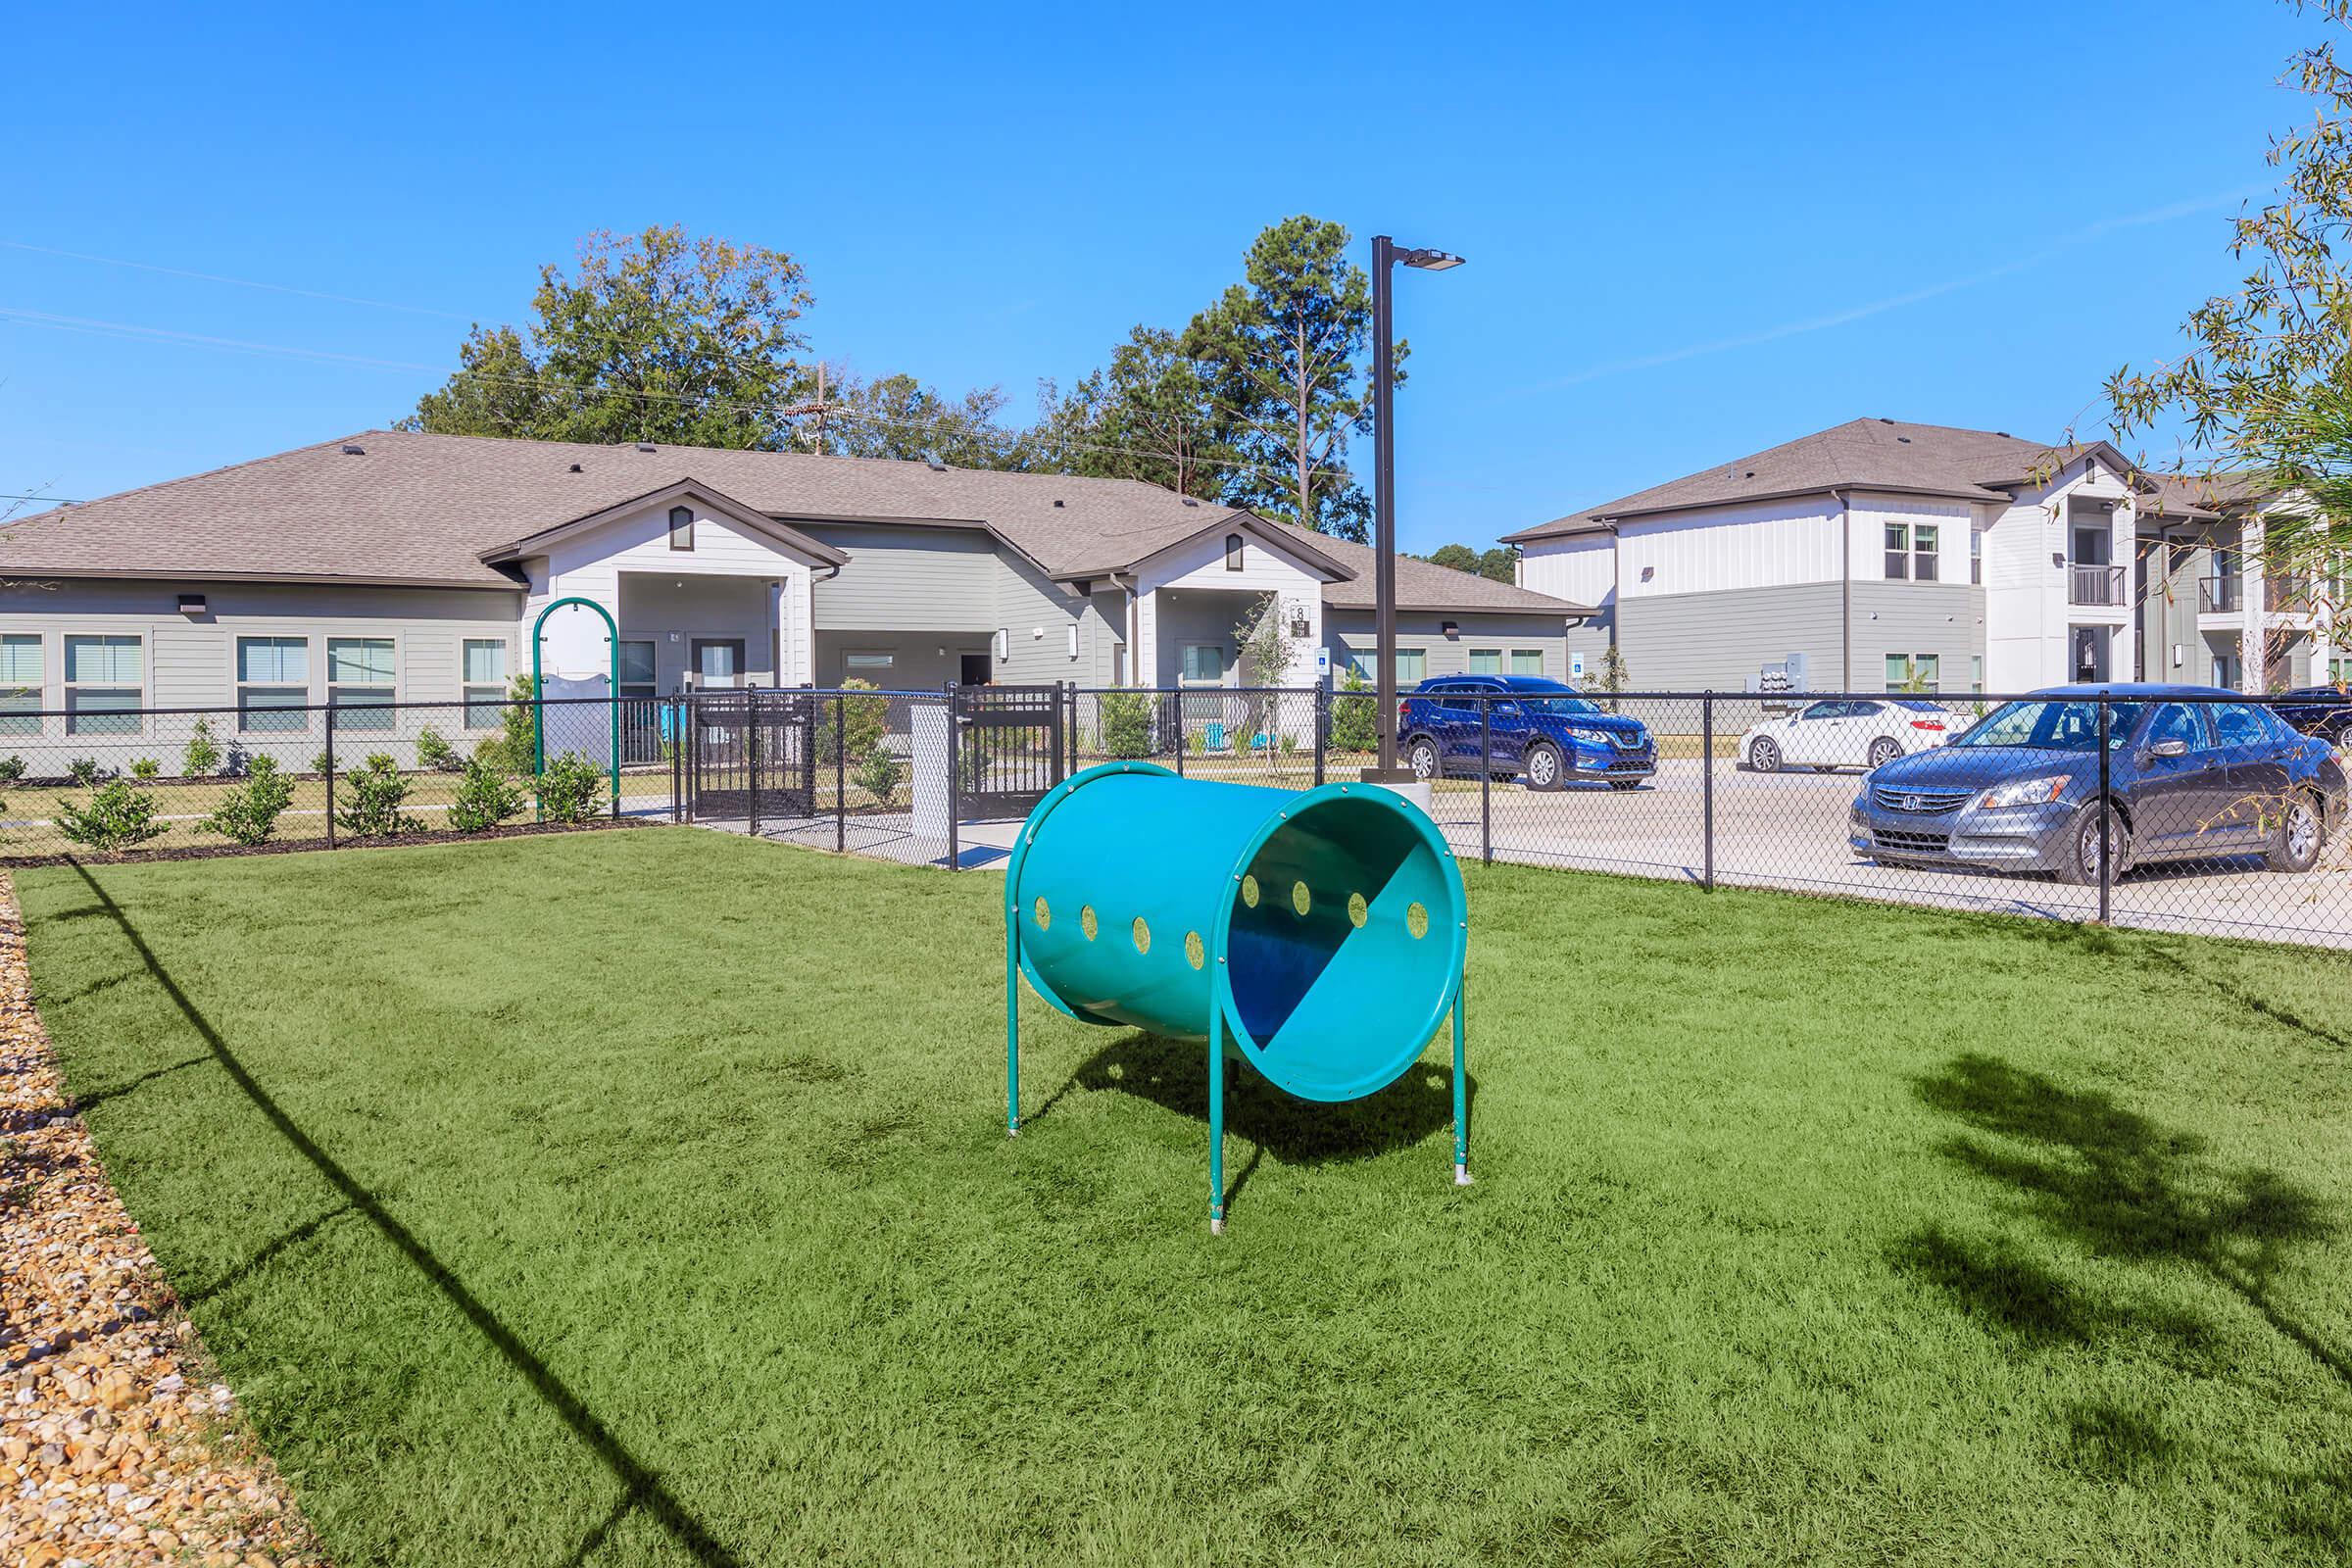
<point x="1386" y="253"/>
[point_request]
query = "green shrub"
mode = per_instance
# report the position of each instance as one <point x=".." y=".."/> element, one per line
<point x="572" y="789"/>
<point x="202" y="754"/>
<point x="514" y="749"/>
<point x="374" y="795"/>
<point x="486" y="797"/>
<point x="433" y="751"/>
<point x="878" y="774"/>
<point x="145" y="768"/>
<point x="248" y="813"/>
<point x="118" y="815"/>
<point x="860" y="723"/>
<point x="1125" y="721"/>
<point x="322" y="765"/>
<point x="84" y="771"/>
<point x="11" y="768"/>
<point x="1354" y="717"/>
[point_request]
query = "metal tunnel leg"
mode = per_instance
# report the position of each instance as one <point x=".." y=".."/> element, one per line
<point x="1012" y="1022"/>
<point x="1461" y="1087"/>
<point x="1216" y="1119"/>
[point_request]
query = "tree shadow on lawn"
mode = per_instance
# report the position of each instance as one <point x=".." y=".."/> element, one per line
<point x="1173" y="1074"/>
<point x="640" y="1487"/>
<point x="2121" y="1186"/>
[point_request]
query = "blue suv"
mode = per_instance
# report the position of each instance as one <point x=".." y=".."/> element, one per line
<point x="1538" y="730"/>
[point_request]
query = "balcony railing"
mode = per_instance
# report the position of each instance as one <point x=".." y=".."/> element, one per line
<point x="2286" y="596"/>
<point x="2096" y="585"/>
<point x="2221" y="596"/>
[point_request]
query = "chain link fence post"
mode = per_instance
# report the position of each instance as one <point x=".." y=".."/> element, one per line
<point x="841" y="766"/>
<point x="329" y="755"/>
<point x="2106" y="811"/>
<point x="954" y="701"/>
<point x="1486" y="779"/>
<point x="1707" y="763"/>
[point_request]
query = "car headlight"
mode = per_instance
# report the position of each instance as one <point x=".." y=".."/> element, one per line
<point x="1588" y="737"/>
<point x="2027" y="791"/>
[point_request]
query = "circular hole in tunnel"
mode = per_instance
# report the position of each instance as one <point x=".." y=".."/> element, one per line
<point x="1086" y="921"/>
<point x="1250" y="891"/>
<point x="1195" y="954"/>
<point x="1142" y="935"/>
<point x="1302" y="900"/>
<point x="1358" y="912"/>
<point x="1045" y="915"/>
<point x="1416" y="919"/>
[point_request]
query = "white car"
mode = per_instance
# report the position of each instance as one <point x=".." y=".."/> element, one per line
<point x="1833" y="733"/>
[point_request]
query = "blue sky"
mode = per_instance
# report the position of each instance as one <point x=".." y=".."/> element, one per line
<point x="1692" y="230"/>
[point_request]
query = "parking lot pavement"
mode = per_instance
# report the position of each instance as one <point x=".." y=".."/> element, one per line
<point x="1789" y="830"/>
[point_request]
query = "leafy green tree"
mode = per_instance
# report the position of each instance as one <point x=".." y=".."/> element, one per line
<point x="898" y="416"/>
<point x="1150" y="414"/>
<point x="2265" y="390"/>
<point x="1496" y="564"/>
<point x="119" y="816"/>
<point x="1280" y="350"/>
<point x="1354" y="719"/>
<point x="248" y="813"/>
<point x="659" y="336"/>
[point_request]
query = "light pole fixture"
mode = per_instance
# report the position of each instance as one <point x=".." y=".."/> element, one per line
<point x="1386" y="253"/>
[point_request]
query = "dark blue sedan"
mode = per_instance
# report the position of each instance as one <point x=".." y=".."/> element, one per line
<point x="2195" y="772"/>
<point x="1534" y="729"/>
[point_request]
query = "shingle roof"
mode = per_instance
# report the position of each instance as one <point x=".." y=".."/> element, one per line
<point x="408" y="507"/>
<point x="1933" y="460"/>
<point x="2199" y="496"/>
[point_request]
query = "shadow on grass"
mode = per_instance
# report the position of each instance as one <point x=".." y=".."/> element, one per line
<point x="2119" y="1185"/>
<point x="1173" y="1074"/>
<point x="640" y="1486"/>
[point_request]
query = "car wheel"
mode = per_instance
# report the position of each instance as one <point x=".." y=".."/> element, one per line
<point x="2078" y="859"/>
<point x="1542" y="768"/>
<point x="2301" y="834"/>
<point x="1422" y="758"/>
<point x="1883" y="749"/>
<point x="1763" y="756"/>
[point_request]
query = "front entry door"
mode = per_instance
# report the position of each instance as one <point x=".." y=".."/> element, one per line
<point x="973" y="669"/>
<point x="2091" y="645"/>
<point x="717" y="664"/>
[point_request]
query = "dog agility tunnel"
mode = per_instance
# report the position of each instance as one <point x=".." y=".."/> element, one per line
<point x="1319" y="936"/>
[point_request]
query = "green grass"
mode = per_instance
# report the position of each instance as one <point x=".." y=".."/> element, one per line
<point x="634" y="1198"/>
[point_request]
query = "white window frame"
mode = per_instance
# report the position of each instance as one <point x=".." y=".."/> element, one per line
<point x="1898" y="552"/>
<point x="1420" y="670"/>
<point x="379" y="721"/>
<point x="236" y="656"/>
<point x="1927" y="552"/>
<point x="682" y="527"/>
<point x="1184" y="662"/>
<point x="492" y="708"/>
<point x="888" y="656"/>
<point x="1976" y="557"/>
<point x="1913" y="664"/>
<point x="1495" y="654"/>
<point x="1534" y="655"/>
<point x="73" y="688"/>
<point x="20" y="705"/>
<point x="1235" y="551"/>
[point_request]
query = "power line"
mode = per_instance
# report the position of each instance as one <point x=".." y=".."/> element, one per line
<point x="237" y="282"/>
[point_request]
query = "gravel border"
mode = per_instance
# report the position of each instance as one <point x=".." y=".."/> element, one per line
<point x="118" y="1444"/>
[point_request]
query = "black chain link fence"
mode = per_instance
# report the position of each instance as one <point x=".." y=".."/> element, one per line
<point x="2201" y="813"/>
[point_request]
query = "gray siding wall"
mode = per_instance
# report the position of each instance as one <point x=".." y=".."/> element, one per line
<point x="959" y="588"/>
<point x="190" y="660"/>
<point x="1350" y="631"/>
<point x="1719" y="641"/>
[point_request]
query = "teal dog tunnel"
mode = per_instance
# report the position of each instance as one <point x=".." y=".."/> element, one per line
<point x="1318" y="936"/>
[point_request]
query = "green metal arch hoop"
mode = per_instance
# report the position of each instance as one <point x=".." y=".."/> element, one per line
<point x="539" y="695"/>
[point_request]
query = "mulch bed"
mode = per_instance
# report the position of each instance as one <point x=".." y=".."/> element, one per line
<point x="118" y="1444"/>
<point x="211" y="852"/>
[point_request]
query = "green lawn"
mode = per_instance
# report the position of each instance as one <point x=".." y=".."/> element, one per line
<point x="644" y="1197"/>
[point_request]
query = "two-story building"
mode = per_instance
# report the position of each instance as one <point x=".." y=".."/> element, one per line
<point x="1877" y="555"/>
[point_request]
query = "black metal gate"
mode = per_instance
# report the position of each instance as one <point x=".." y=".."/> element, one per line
<point x="1010" y="743"/>
<point x="750" y="754"/>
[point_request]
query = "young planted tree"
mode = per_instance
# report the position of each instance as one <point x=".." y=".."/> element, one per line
<point x="1269" y="639"/>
